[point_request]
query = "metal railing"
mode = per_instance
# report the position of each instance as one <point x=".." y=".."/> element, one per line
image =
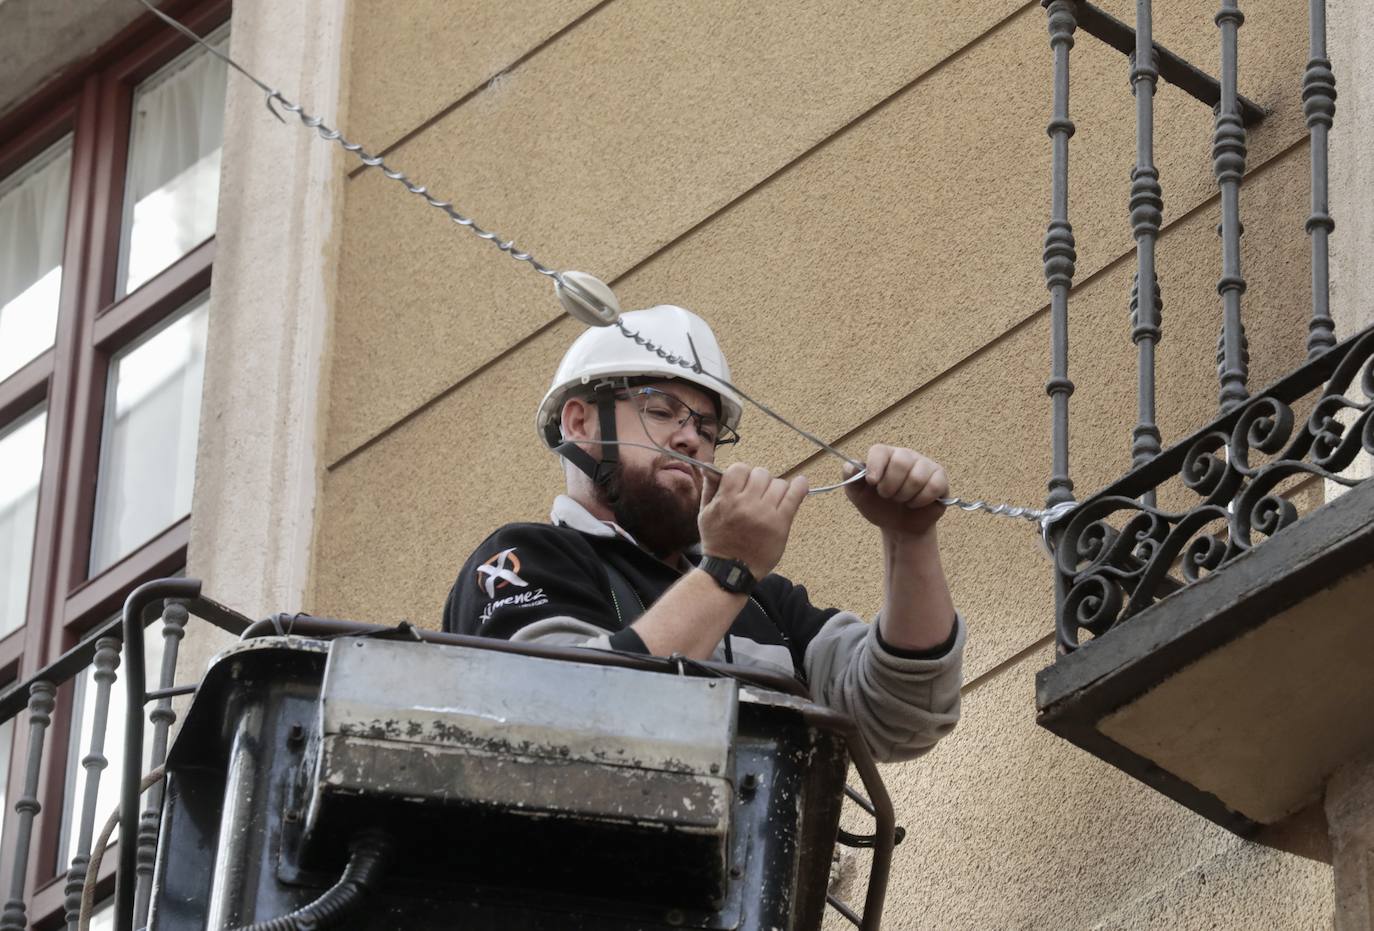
<point x="100" y="653"/>
<point x="1118" y="555"/>
<point x="1119" y="552"/>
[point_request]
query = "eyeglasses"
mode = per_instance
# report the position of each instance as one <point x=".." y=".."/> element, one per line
<point x="663" y="413"/>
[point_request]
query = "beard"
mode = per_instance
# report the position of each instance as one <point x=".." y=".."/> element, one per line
<point x="662" y="520"/>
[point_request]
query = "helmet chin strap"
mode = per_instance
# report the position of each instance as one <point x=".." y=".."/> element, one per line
<point x="599" y="471"/>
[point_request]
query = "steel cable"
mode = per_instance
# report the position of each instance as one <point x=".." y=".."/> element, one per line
<point x="1046" y="517"/>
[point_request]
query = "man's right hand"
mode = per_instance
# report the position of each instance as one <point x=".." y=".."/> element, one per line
<point x="746" y="514"/>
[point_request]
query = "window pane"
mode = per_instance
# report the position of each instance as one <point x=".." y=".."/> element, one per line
<point x="33" y="227"/>
<point x="172" y="190"/>
<point x="21" y="462"/>
<point x="6" y="751"/>
<point x="108" y="796"/>
<point x="148" y="450"/>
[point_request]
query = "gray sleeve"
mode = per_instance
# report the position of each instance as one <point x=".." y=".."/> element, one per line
<point x="563" y="631"/>
<point x="902" y="706"/>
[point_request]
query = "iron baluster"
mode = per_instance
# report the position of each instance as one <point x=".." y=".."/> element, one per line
<point x="1059" y="255"/>
<point x="42" y="698"/>
<point x="174" y="617"/>
<point x="1228" y="159"/>
<point x="105" y="663"/>
<point x="1319" y="106"/>
<point x="1147" y="215"/>
<point x="1146" y="440"/>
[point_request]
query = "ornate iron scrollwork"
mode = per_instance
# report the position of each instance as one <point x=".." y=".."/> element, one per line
<point x="1118" y="554"/>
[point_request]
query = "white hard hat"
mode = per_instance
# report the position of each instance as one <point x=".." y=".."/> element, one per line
<point x="605" y="352"/>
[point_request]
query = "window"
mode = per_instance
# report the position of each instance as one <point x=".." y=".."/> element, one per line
<point x="6" y="743"/>
<point x="21" y="461"/>
<point x="148" y="443"/>
<point x="109" y="181"/>
<point x="33" y="217"/>
<point x="173" y="177"/>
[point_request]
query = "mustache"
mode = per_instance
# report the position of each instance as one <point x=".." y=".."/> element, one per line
<point x="663" y="461"/>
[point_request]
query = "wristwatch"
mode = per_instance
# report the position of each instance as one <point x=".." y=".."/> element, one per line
<point x="730" y="574"/>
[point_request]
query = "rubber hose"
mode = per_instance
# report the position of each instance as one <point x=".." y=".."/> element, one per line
<point x="371" y="852"/>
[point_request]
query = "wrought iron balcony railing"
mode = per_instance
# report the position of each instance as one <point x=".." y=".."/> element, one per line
<point x="1118" y="555"/>
<point x="1098" y="563"/>
<point x="38" y="696"/>
<point x="1182" y="515"/>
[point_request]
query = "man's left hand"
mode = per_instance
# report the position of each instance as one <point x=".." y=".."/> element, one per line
<point x="899" y="494"/>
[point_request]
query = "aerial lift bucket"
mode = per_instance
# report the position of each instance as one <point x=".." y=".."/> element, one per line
<point x="488" y="785"/>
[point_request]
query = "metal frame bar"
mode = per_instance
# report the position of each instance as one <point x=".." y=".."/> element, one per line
<point x="1179" y="72"/>
<point x="306" y="625"/>
<point x="14" y="698"/>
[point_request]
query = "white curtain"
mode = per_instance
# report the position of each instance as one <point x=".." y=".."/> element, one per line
<point x="33" y="226"/>
<point x="21" y="462"/>
<point x="148" y="451"/>
<point x="174" y="152"/>
<point x="6" y="750"/>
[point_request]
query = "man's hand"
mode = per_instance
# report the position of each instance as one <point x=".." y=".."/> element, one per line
<point x="900" y="491"/>
<point x="746" y="514"/>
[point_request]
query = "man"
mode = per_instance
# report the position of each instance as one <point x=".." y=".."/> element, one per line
<point x="649" y="554"/>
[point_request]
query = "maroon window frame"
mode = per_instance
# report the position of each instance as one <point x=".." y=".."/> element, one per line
<point x="94" y="103"/>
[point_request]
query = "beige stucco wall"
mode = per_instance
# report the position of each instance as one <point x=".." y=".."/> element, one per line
<point x="1352" y="164"/>
<point x="855" y="196"/>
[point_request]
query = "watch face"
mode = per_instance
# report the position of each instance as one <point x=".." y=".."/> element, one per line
<point x="731" y="574"/>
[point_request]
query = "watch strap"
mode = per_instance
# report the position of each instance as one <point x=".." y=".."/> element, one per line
<point x="730" y="574"/>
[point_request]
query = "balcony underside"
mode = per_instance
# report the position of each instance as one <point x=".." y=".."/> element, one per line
<point x="1239" y="694"/>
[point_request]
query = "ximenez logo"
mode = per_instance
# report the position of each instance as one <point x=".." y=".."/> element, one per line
<point x="501" y="571"/>
<point x="530" y="599"/>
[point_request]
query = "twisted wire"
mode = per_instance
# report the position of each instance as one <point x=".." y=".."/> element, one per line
<point x="1045" y="517"/>
<point x="696" y="367"/>
<point x="1034" y="515"/>
<point x="375" y="161"/>
<point x="368" y="159"/>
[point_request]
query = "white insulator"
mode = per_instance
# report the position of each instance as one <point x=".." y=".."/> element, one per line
<point x="587" y="298"/>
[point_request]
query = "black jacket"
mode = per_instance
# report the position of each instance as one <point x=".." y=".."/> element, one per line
<point x="525" y="573"/>
<point x="580" y="583"/>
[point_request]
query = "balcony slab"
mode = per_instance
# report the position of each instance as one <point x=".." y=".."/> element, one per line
<point x="1239" y="695"/>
